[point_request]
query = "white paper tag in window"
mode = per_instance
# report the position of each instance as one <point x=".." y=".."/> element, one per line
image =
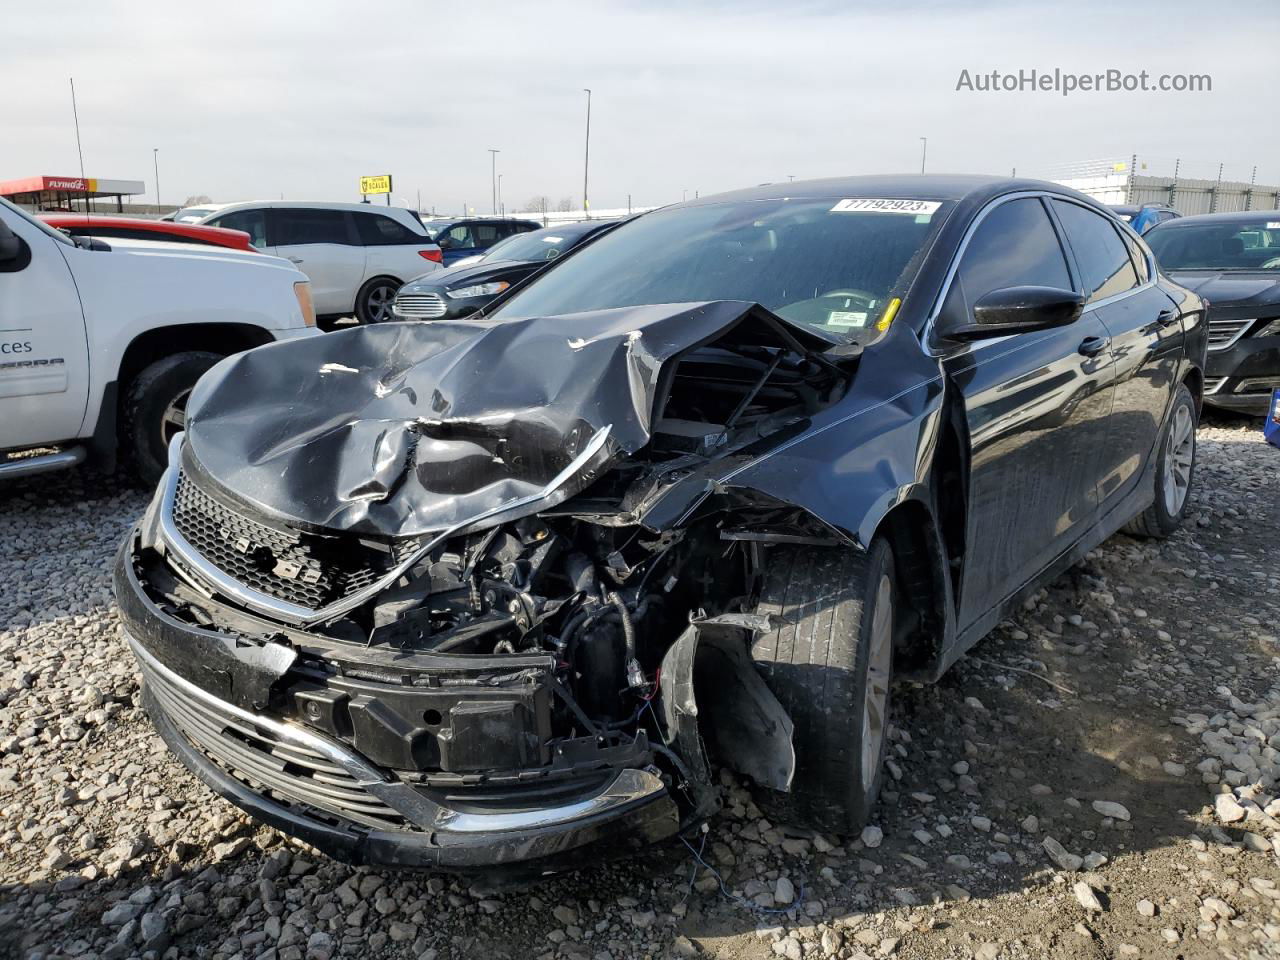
<point x="870" y="205"/>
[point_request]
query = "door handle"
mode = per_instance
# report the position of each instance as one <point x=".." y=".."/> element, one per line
<point x="1092" y="346"/>
<point x="1167" y="317"/>
<point x="295" y="259"/>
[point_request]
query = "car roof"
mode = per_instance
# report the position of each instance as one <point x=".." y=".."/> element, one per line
<point x="316" y="205"/>
<point x="434" y="221"/>
<point x="1245" y="217"/>
<point x="577" y="228"/>
<point x="897" y="186"/>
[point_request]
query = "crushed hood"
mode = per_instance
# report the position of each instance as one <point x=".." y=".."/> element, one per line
<point x="408" y="428"/>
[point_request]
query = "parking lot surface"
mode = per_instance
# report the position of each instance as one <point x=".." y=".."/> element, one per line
<point x="1054" y="795"/>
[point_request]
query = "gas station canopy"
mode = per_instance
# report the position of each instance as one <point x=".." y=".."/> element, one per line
<point x="58" y="193"/>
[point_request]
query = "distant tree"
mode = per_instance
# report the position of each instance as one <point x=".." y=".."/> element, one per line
<point x="565" y="204"/>
<point x="196" y="200"/>
<point x="539" y="204"/>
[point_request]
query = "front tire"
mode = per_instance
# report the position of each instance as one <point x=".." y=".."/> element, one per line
<point x="155" y="409"/>
<point x="830" y="663"/>
<point x="1175" y="471"/>
<point x="373" y="302"/>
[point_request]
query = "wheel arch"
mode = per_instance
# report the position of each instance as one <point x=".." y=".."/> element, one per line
<point x="159" y="342"/>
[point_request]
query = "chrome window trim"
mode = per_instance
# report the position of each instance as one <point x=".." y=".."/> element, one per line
<point x="927" y="333"/>
<point x="292" y="612"/>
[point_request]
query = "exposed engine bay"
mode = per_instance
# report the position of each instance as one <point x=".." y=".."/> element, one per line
<point x="545" y="646"/>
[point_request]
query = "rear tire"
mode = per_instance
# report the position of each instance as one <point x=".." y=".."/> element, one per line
<point x="1175" y="454"/>
<point x="830" y="665"/>
<point x="373" y="302"/>
<point x="155" y="409"/>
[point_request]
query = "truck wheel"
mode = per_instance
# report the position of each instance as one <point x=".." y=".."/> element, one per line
<point x="829" y="663"/>
<point x="373" y="302"/>
<point x="155" y="409"/>
<point x="1175" y="455"/>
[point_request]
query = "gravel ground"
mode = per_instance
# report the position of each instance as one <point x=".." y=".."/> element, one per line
<point x="1098" y="779"/>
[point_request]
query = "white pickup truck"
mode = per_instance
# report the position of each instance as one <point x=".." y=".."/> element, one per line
<point x="100" y="343"/>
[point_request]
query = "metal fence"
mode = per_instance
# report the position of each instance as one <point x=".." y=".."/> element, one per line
<point x="1137" y="180"/>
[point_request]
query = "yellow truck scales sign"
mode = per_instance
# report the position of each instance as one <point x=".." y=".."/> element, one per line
<point x="378" y="184"/>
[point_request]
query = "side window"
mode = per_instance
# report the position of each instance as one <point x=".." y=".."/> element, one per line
<point x="456" y="238"/>
<point x="526" y="227"/>
<point x="1015" y="246"/>
<point x="377" y="230"/>
<point x="252" y="222"/>
<point x="296" y="225"/>
<point x="1139" y="258"/>
<point x="486" y="234"/>
<point x="1101" y="254"/>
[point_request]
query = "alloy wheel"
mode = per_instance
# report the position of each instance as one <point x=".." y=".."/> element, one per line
<point x="379" y="303"/>
<point x="174" y="418"/>
<point x="1179" y="453"/>
<point x="875" y="702"/>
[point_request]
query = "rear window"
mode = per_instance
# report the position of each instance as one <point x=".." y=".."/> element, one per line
<point x="377" y="229"/>
<point x="831" y="264"/>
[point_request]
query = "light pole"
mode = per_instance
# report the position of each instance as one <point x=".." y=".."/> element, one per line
<point x="586" y="156"/>
<point x="155" y="159"/>
<point x="493" y="177"/>
<point x="501" y="209"/>
<point x="924" y="148"/>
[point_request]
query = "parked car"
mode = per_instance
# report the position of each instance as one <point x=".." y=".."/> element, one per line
<point x="1143" y="218"/>
<point x="356" y="254"/>
<point x="1232" y="260"/>
<point x="193" y="214"/>
<point x="463" y="289"/>
<point x="499" y="593"/>
<point x="81" y="225"/>
<point x="104" y="340"/>
<point x="469" y="236"/>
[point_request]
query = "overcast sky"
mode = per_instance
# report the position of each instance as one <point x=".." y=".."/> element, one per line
<point x="249" y="100"/>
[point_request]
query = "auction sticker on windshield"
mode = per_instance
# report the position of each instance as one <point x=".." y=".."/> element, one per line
<point x="869" y="205"/>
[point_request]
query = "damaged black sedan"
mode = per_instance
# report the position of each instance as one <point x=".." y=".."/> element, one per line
<point x="501" y="592"/>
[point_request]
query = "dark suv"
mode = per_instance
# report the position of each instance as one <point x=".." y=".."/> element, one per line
<point x="471" y="236"/>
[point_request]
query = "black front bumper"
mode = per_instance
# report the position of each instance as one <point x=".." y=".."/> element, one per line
<point x="300" y="780"/>
<point x="1239" y="376"/>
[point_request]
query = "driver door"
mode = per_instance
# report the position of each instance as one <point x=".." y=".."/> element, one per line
<point x="44" y="347"/>
<point x="1036" y="406"/>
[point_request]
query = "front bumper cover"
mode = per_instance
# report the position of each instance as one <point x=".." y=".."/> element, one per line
<point x="344" y="805"/>
<point x="1240" y="372"/>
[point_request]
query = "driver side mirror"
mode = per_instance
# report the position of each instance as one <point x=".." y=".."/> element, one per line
<point x="1015" y="310"/>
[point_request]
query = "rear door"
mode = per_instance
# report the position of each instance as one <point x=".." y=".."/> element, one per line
<point x="1146" y="339"/>
<point x="44" y="347"/>
<point x="391" y="248"/>
<point x="1036" y="406"/>
<point x="324" y="245"/>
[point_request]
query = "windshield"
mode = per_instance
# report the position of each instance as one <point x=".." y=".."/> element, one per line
<point x="535" y="246"/>
<point x="831" y="264"/>
<point x="38" y="224"/>
<point x="1218" y="246"/>
<point x="433" y="227"/>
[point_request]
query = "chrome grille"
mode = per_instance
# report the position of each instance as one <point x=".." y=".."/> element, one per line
<point x="307" y="570"/>
<point x="1213" y="384"/>
<point x="422" y="306"/>
<point x="287" y="772"/>
<point x="1223" y="333"/>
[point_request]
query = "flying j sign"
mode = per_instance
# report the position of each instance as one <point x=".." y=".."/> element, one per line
<point x="378" y="184"/>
